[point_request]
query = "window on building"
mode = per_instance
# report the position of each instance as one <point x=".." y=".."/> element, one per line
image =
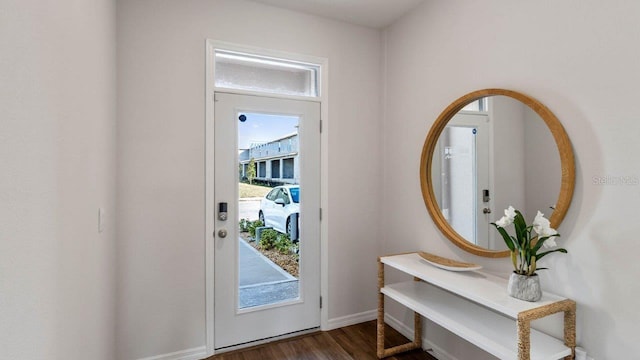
<point x="275" y="169"/>
<point x="262" y="169"/>
<point x="287" y="168"/>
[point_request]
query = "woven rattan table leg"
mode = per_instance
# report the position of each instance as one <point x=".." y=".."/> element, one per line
<point x="380" y="328"/>
<point x="524" y="339"/>
<point x="417" y="322"/>
<point x="524" y="326"/>
<point x="570" y="329"/>
<point x="417" y="326"/>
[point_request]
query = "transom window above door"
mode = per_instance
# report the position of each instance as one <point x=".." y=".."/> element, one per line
<point x="242" y="71"/>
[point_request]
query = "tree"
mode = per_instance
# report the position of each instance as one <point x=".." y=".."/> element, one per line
<point x="251" y="171"/>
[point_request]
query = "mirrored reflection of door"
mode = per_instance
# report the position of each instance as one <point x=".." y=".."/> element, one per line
<point x="464" y="176"/>
<point x="267" y="268"/>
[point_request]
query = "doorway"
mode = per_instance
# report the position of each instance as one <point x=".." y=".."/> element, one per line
<point x="463" y="186"/>
<point x="266" y="175"/>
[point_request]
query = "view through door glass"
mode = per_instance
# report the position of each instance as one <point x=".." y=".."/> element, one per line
<point x="269" y="209"/>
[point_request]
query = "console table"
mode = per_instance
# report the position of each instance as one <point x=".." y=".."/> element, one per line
<point x="475" y="306"/>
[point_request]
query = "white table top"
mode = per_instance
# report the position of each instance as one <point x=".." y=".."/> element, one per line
<point x="483" y="288"/>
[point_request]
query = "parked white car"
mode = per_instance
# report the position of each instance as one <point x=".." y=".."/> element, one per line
<point x="277" y="208"/>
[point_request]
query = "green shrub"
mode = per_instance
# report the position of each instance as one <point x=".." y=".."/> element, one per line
<point x="295" y="250"/>
<point x="283" y="243"/>
<point x="252" y="225"/>
<point x="244" y="225"/>
<point x="268" y="239"/>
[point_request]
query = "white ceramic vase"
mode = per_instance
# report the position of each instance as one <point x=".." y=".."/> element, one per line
<point x="524" y="287"/>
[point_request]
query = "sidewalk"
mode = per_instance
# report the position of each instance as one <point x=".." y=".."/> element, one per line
<point x="256" y="268"/>
<point x="262" y="282"/>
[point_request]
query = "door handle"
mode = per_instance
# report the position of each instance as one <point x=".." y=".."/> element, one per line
<point x="222" y="233"/>
<point x="486" y="211"/>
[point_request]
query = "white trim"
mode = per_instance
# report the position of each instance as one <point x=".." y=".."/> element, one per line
<point x="264" y="94"/>
<point x="189" y="354"/>
<point x="352" y="319"/>
<point x="405" y="330"/>
<point x="324" y="193"/>
<point x="211" y="46"/>
<point x="209" y="209"/>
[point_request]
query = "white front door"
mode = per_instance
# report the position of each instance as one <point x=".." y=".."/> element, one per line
<point x="255" y="298"/>
<point x="465" y="190"/>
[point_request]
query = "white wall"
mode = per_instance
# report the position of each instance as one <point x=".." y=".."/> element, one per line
<point x="57" y="150"/>
<point x="581" y="59"/>
<point x="161" y="98"/>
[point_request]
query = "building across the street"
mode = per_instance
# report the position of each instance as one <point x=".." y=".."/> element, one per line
<point x="276" y="162"/>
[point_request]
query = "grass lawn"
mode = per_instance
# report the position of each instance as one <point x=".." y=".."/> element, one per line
<point x="249" y="191"/>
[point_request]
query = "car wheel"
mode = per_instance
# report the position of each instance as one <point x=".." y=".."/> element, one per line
<point x="289" y="226"/>
<point x="261" y="217"/>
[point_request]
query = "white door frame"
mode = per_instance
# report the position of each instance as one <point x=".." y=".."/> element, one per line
<point x="211" y="46"/>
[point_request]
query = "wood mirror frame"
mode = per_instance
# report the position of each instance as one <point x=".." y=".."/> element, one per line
<point x="566" y="162"/>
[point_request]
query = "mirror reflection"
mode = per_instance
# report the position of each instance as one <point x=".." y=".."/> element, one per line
<point x="493" y="153"/>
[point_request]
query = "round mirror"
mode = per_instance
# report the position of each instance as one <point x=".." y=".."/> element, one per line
<point x="490" y="149"/>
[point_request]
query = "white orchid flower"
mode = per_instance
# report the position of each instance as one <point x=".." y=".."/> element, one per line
<point x="507" y="219"/>
<point x="540" y="223"/>
<point x="550" y="242"/>
<point x="543" y="228"/>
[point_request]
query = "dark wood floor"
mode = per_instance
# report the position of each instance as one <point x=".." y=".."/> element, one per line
<point x="352" y="342"/>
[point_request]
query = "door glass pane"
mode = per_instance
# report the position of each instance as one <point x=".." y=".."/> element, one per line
<point x="269" y="209"/>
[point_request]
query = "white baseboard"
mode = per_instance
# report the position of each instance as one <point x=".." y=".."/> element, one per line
<point x="405" y="330"/>
<point x="352" y="319"/>
<point x="189" y="354"/>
